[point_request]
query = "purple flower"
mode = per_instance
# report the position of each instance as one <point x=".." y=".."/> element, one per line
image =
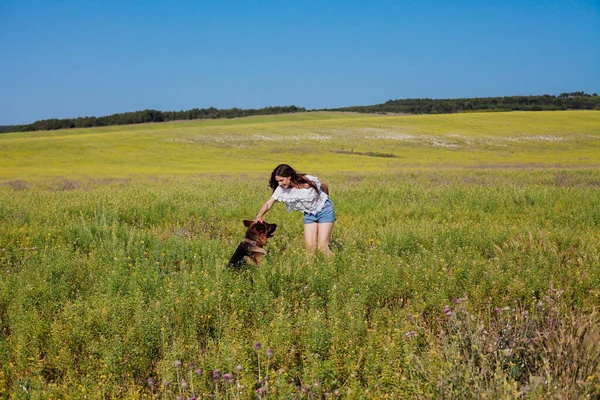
<point x="191" y="366"/>
<point x="448" y="312"/>
<point x="269" y="353"/>
<point x="151" y="382"/>
<point x="411" y="333"/>
<point x="198" y="371"/>
<point x="260" y="392"/>
<point x="216" y="374"/>
<point x="166" y="384"/>
<point x="258" y="346"/>
<point x="184" y="384"/>
<point x="177" y="363"/>
<point x="227" y="378"/>
<point x="498" y="310"/>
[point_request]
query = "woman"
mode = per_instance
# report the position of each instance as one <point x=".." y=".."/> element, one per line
<point x="304" y="193"/>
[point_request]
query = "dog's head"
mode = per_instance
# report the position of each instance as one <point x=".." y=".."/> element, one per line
<point x="262" y="230"/>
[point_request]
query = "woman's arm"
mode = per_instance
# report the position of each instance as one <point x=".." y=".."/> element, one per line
<point x="263" y="210"/>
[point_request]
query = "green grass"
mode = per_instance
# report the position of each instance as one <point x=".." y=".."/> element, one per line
<point x="319" y="142"/>
<point x="107" y="281"/>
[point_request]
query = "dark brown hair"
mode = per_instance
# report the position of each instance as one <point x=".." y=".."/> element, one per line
<point x="285" y="171"/>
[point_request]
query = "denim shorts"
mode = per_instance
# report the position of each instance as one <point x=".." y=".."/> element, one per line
<point x="327" y="214"/>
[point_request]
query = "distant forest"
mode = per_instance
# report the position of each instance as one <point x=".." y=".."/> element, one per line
<point x="140" y="117"/>
<point x="564" y="101"/>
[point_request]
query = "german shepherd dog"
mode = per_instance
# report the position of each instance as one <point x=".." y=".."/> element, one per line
<point x="251" y="248"/>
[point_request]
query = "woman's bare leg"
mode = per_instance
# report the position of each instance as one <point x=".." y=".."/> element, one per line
<point x="324" y="237"/>
<point x="310" y="237"/>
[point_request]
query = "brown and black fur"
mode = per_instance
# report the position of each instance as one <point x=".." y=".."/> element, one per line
<point x="251" y="249"/>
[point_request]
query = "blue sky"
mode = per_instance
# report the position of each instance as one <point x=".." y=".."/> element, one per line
<point x="67" y="59"/>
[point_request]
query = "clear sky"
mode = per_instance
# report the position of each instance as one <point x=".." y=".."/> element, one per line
<point x="74" y="58"/>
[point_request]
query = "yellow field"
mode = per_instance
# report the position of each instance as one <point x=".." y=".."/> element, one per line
<point x="466" y="260"/>
<point x="316" y="142"/>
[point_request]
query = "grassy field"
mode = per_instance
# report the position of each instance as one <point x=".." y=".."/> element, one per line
<point x="467" y="260"/>
<point x="319" y="142"/>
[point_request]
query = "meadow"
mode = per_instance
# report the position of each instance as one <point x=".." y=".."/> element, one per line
<point x="466" y="260"/>
<point x="318" y="142"/>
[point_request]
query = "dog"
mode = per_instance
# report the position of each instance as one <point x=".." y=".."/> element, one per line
<point x="251" y="249"/>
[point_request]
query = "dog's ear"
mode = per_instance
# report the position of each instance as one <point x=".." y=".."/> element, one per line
<point x="248" y="223"/>
<point x="271" y="232"/>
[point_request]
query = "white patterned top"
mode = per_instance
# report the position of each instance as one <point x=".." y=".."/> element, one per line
<point x="306" y="200"/>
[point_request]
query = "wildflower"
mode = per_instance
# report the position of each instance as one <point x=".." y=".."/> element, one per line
<point x="227" y="378"/>
<point x="269" y="353"/>
<point x="336" y="393"/>
<point x="238" y="369"/>
<point x="258" y="346"/>
<point x="151" y="382"/>
<point x="316" y="384"/>
<point x="184" y="384"/>
<point x="176" y="363"/>
<point x="448" y="312"/>
<point x="166" y="384"/>
<point x="260" y="392"/>
<point x="498" y="310"/>
<point x="191" y="366"/>
<point x="198" y="372"/>
<point x="216" y="375"/>
<point x="411" y="333"/>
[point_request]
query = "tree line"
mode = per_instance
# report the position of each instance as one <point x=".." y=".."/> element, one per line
<point x="140" y="117"/>
<point x="564" y="101"/>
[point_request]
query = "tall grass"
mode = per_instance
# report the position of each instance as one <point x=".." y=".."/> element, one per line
<point x="458" y="284"/>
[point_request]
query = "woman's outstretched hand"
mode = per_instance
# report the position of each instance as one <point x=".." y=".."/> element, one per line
<point x="265" y="207"/>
